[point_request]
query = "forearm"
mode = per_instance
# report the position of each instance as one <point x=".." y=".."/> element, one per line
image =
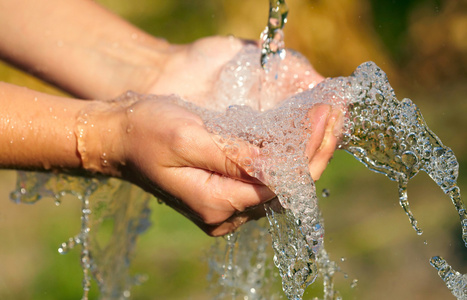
<point x="37" y="131"/>
<point x="79" y="46"/>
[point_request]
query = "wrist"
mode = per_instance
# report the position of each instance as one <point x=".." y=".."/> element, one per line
<point x="99" y="130"/>
<point x="135" y="64"/>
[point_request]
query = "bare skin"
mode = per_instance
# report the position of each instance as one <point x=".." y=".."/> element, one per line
<point x="94" y="54"/>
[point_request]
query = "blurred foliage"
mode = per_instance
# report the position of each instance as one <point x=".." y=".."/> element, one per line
<point x="421" y="44"/>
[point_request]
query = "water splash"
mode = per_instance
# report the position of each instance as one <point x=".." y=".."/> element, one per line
<point x="272" y="38"/>
<point x="391" y="137"/>
<point x="455" y="281"/>
<point x="387" y="135"/>
<point x="237" y="272"/>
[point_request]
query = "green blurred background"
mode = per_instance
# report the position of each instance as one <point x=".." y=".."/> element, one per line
<point x="421" y="44"/>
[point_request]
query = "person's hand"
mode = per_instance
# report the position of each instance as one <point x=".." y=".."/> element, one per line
<point x="170" y="153"/>
<point x="165" y="149"/>
<point x="193" y="72"/>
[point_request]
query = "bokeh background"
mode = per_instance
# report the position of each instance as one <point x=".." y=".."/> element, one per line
<point x="422" y="46"/>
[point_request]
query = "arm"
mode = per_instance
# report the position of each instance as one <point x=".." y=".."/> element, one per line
<point x="79" y="46"/>
<point x="91" y="53"/>
<point x="166" y="158"/>
<point x="37" y="130"/>
<point x="174" y="158"/>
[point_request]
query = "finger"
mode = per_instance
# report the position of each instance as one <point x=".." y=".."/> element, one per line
<point x="226" y="227"/>
<point x="324" y="153"/>
<point x="210" y="152"/>
<point x="212" y="197"/>
<point x="318" y="117"/>
<point x="236" y="220"/>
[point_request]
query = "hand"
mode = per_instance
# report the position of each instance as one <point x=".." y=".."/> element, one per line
<point x="176" y="159"/>
<point x="193" y="72"/>
<point x="166" y="150"/>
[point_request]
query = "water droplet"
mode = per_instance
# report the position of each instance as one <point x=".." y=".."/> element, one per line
<point x="325" y="193"/>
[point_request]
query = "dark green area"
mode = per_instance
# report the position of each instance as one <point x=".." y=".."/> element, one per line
<point x="390" y="21"/>
<point x="182" y="21"/>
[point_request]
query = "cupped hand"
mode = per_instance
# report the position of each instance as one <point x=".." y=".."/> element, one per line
<point x="193" y="72"/>
<point x="166" y="149"/>
<point x="170" y="154"/>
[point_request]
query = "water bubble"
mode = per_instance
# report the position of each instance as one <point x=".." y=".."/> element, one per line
<point x="247" y="162"/>
<point x="438" y="151"/>
<point x="264" y="152"/>
<point x="409" y="159"/>
<point x="394" y="145"/>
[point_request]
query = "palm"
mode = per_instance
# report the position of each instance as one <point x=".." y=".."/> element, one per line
<point x="194" y="72"/>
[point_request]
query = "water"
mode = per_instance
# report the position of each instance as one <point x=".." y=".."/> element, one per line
<point x="272" y="38"/>
<point x="387" y="135"/>
<point x="236" y="272"/>
<point x="104" y="201"/>
<point x="455" y="281"/>
<point x="392" y="138"/>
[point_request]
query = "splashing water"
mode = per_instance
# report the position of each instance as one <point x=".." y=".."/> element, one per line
<point x="455" y="281"/>
<point x="246" y="274"/>
<point x="387" y="135"/>
<point x="392" y="138"/>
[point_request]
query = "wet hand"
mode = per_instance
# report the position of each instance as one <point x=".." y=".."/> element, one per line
<point x="192" y="71"/>
<point x="166" y="150"/>
<point x="325" y="127"/>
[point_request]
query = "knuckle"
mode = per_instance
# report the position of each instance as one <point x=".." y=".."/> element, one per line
<point x="216" y="231"/>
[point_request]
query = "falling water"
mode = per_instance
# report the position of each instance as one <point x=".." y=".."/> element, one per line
<point x="391" y="137"/>
<point x="272" y="38"/>
<point x="455" y="281"/>
<point x="105" y="200"/>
